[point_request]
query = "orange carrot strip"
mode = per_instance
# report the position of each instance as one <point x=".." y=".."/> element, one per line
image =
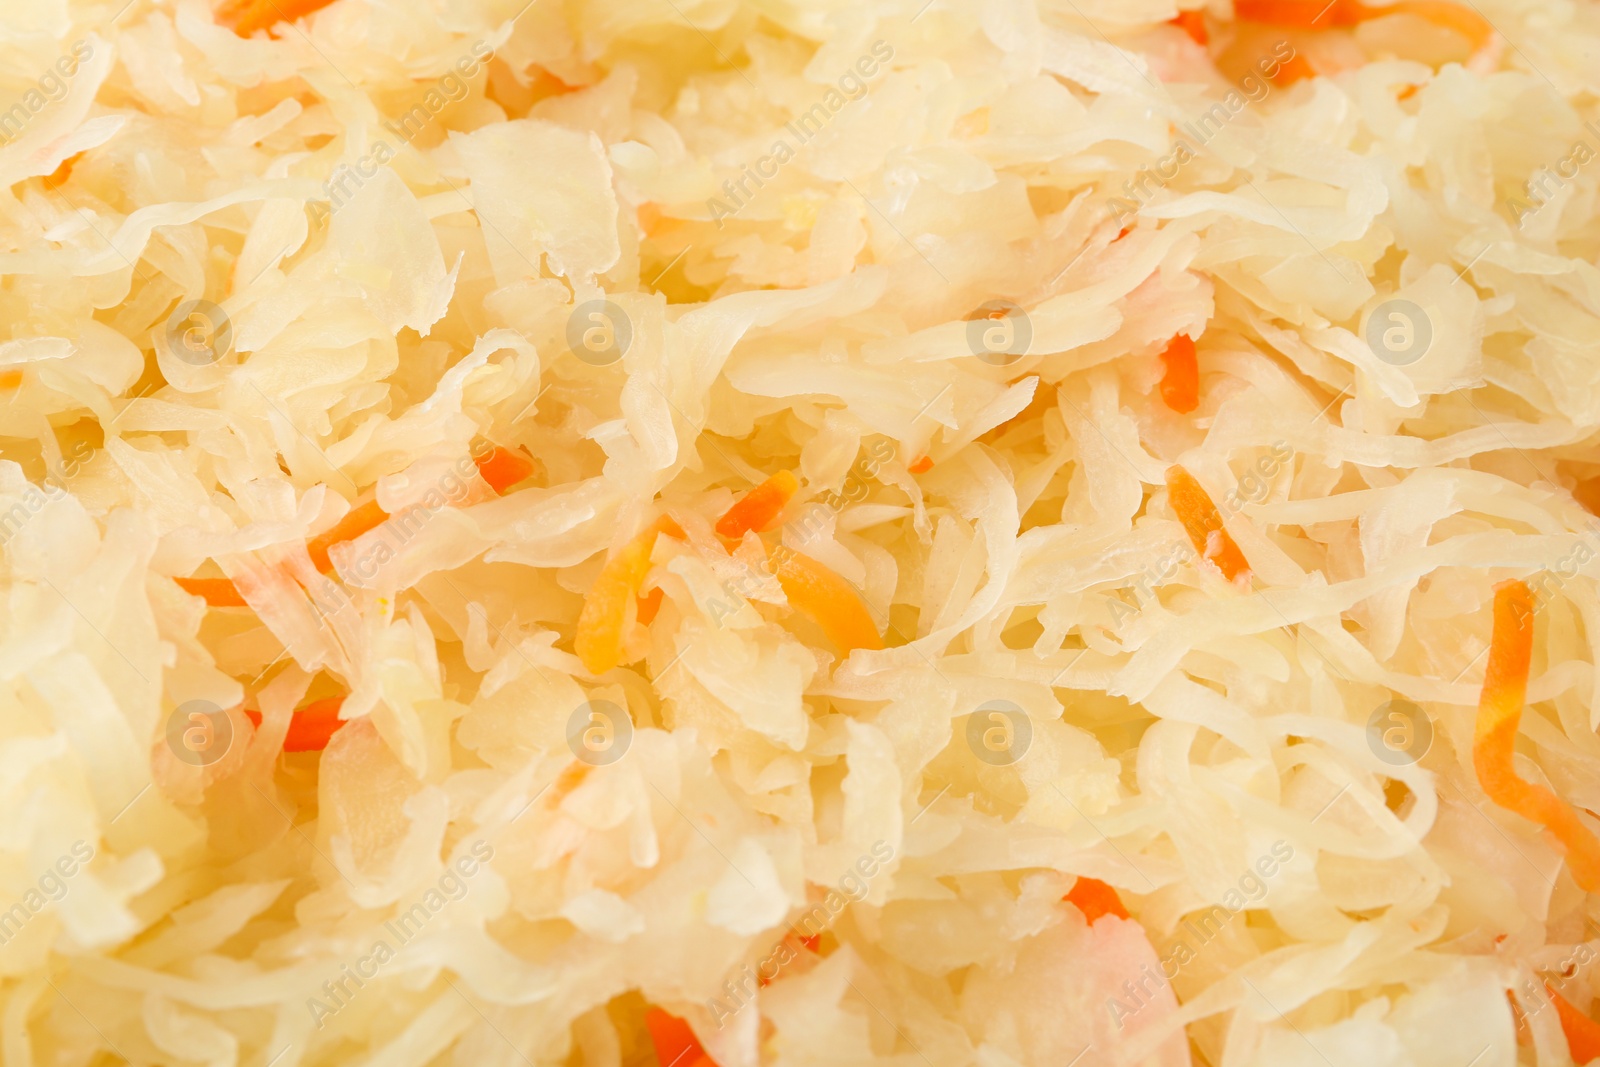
<point x="921" y="465"/>
<point x="598" y="640"/>
<point x="312" y="726"/>
<point x="649" y="604"/>
<point x="811" y="943"/>
<point x="675" y="1043"/>
<point x="217" y="592"/>
<point x="1296" y="69"/>
<point x="1583" y="1033"/>
<point x="1194" y="24"/>
<point x="1203" y="523"/>
<point x="1094" y="898"/>
<point x="1180" y="385"/>
<point x="1494" y="739"/>
<point x="1302" y="14"/>
<point x="760" y="507"/>
<point x="502" y="468"/>
<point x="356" y="522"/>
<point x="827" y="599"/>
<point x="248" y="16"/>
<point x="1317" y="15"/>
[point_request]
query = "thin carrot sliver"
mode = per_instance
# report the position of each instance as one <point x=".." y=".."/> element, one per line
<point x="1094" y="898"/>
<point x="216" y="592"/>
<point x="1582" y="1032"/>
<point x="1317" y="15"/>
<point x="251" y="15"/>
<point x="356" y="522"/>
<point x="502" y="468"/>
<point x="1505" y="686"/>
<point x="1194" y="24"/>
<point x="1295" y="69"/>
<point x="598" y="640"/>
<point x="1302" y="14"/>
<point x="921" y="465"/>
<point x="649" y="605"/>
<point x="312" y="726"/>
<point x="827" y="599"/>
<point x="1203" y="523"/>
<point x="675" y="1043"/>
<point x="1180" y="384"/>
<point x="760" y="507"/>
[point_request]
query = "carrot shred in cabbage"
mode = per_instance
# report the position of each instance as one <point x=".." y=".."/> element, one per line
<point x="312" y="726"/>
<point x="921" y="465"/>
<point x="216" y="592"/>
<point x="1094" y="898"/>
<point x="827" y="599"/>
<point x="1180" y="385"/>
<point x="598" y="640"/>
<point x="248" y="16"/>
<point x="1302" y="14"/>
<point x="675" y="1043"/>
<point x="356" y="522"/>
<point x="759" y="508"/>
<point x="1194" y="24"/>
<point x="1582" y="1032"/>
<point x="1316" y="14"/>
<point x="1203" y="523"/>
<point x="649" y="604"/>
<point x="1295" y="69"/>
<point x="502" y="468"/>
<point x="1505" y="686"/>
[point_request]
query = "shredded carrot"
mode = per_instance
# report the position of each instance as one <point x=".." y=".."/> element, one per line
<point x="598" y="640"/>
<point x="811" y="943"/>
<point x="1194" y="24"/>
<point x="675" y="1043"/>
<point x="312" y="726"/>
<point x="1203" y="523"/>
<point x="649" y="604"/>
<point x="356" y="522"/>
<point x="248" y="16"/>
<point x="10" y="379"/>
<point x="502" y="468"/>
<point x="1315" y="14"/>
<point x="1494" y="740"/>
<point x="921" y="465"/>
<point x="1094" y="898"/>
<point x="827" y="599"/>
<point x="1296" y="69"/>
<point x="1303" y="14"/>
<point x="760" y="507"/>
<point x="63" y="172"/>
<point x="1583" y="1033"/>
<point x="1180" y="385"/>
<point x="217" y="592"/>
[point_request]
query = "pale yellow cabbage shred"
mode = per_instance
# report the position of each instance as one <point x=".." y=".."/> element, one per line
<point x="809" y="312"/>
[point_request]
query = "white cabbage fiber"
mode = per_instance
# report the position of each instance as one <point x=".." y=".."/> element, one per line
<point x="1176" y="739"/>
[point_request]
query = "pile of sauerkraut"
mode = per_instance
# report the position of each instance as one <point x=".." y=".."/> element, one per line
<point x="927" y="256"/>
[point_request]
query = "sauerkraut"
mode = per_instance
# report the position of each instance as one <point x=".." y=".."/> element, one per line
<point x="937" y="532"/>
